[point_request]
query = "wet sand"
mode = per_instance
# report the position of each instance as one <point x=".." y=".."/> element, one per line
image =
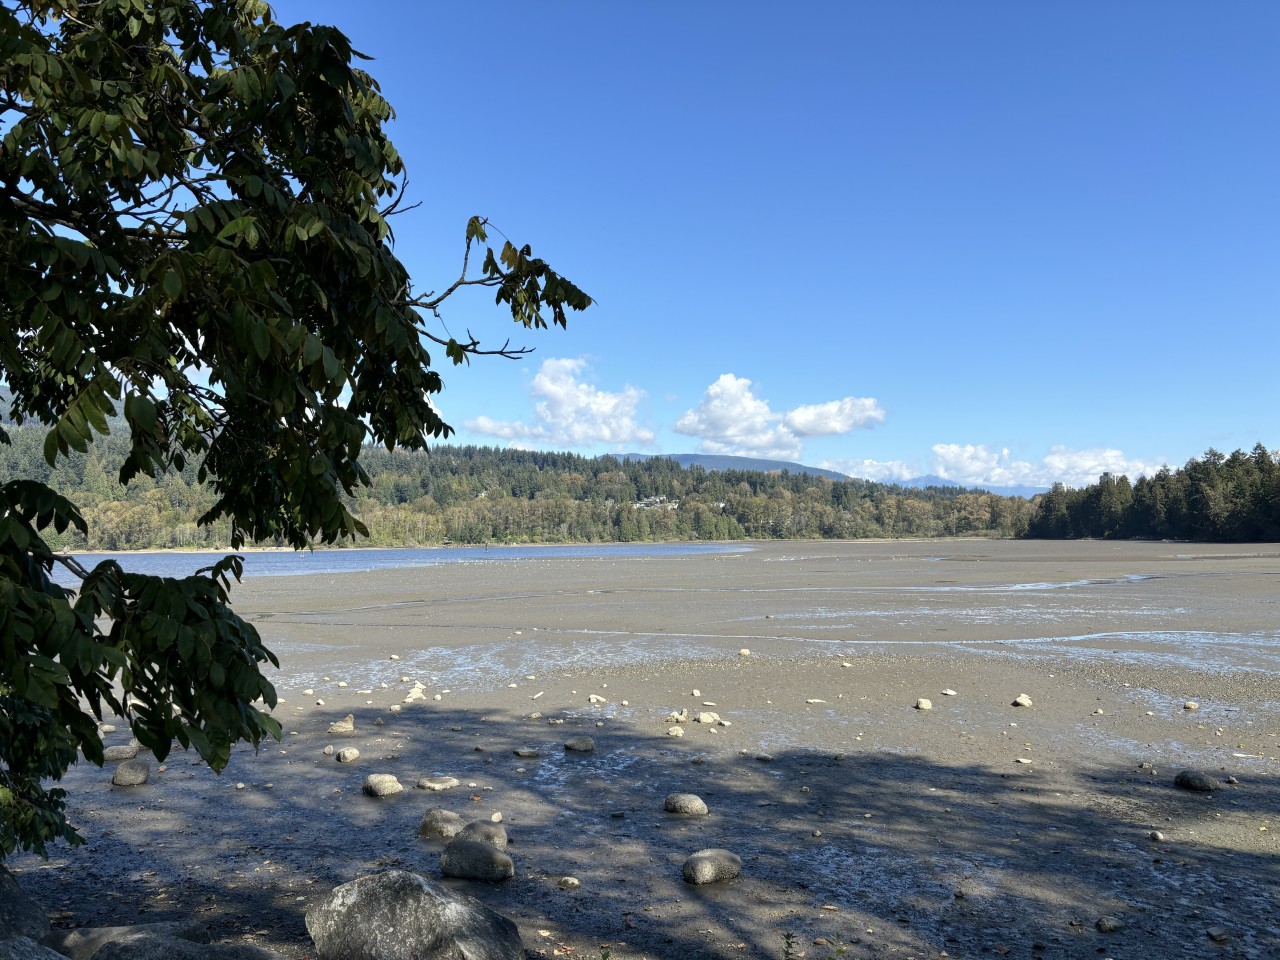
<point x="895" y="831"/>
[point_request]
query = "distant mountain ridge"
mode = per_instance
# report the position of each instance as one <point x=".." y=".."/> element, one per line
<point x="932" y="480"/>
<point x="717" y="462"/>
<point x="726" y="462"/>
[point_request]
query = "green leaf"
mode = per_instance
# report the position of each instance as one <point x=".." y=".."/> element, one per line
<point x="171" y="284"/>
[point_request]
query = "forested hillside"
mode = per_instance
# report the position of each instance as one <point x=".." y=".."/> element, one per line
<point x="481" y="494"/>
<point x="1225" y="498"/>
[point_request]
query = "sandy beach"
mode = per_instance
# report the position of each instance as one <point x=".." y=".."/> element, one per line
<point x="974" y="828"/>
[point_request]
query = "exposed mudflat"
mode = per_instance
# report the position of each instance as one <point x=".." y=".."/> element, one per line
<point x="972" y="829"/>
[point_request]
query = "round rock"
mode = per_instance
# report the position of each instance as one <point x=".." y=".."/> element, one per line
<point x="444" y="824"/>
<point x="473" y="860"/>
<point x="397" y="915"/>
<point x="131" y="773"/>
<point x="382" y="785"/>
<point x="924" y="704"/>
<point x="712" y="866"/>
<point x="580" y="744"/>
<point x="485" y="831"/>
<point x="1022" y="700"/>
<point x="1196" y="780"/>
<point x="688" y="804"/>
<point x="1109" y="924"/>
<point x="125" y="751"/>
<point x="348" y="754"/>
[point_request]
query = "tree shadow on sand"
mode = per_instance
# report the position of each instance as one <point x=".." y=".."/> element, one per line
<point x="890" y="855"/>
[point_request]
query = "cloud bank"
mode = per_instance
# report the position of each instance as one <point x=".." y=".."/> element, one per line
<point x="570" y="412"/>
<point x="732" y="420"/>
<point x="982" y="466"/>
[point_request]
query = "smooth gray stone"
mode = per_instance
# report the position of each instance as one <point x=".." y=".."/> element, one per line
<point x="397" y="915"/>
<point x="132" y="773"/>
<point x="485" y="831"/>
<point x="382" y="785"/>
<point x="689" y="804"/>
<point x="1196" y="780"/>
<point x="83" y="943"/>
<point x="580" y="744"/>
<point x="120" y="752"/>
<point x="712" y="866"/>
<point x="444" y="824"/>
<point x="437" y="784"/>
<point x="473" y="860"/>
<point x="346" y="725"/>
<point x="20" y="915"/>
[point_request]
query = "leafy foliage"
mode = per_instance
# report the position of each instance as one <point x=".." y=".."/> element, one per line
<point x="194" y="220"/>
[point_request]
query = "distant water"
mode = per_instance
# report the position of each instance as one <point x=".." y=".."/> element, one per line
<point x="287" y="563"/>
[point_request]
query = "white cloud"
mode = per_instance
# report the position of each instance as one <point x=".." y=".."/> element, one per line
<point x="1078" y="468"/>
<point x="838" y="416"/>
<point x="572" y="412"/>
<point x="977" y="465"/>
<point x="733" y="420"/>
<point x="884" y="471"/>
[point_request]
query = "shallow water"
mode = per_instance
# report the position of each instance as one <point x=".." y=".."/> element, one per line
<point x="289" y="563"/>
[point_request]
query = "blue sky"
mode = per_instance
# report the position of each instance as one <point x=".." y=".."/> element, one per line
<point x="1006" y="243"/>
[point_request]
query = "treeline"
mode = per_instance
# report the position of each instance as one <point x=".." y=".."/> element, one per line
<point x="1221" y="498"/>
<point x="465" y="494"/>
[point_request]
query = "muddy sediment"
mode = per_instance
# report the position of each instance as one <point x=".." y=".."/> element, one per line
<point x="975" y="827"/>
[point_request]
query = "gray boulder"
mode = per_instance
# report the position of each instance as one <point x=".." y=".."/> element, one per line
<point x="485" y="831"/>
<point x="712" y="866"/>
<point x="132" y="773"/>
<point x="24" y="948"/>
<point x="83" y="943"/>
<point x="346" y="725"/>
<point x="689" y="804"/>
<point x="125" y="751"/>
<point x="582" y="744"/>
<point x="444" y="824"/>
<point x="473" y="860"/>
<point x="20" y="915"/>
<point x="382" y="785"/>
<point x="436" y="784"/>
<point x="397" y="915"/>
<point x="1196" y="780"/>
